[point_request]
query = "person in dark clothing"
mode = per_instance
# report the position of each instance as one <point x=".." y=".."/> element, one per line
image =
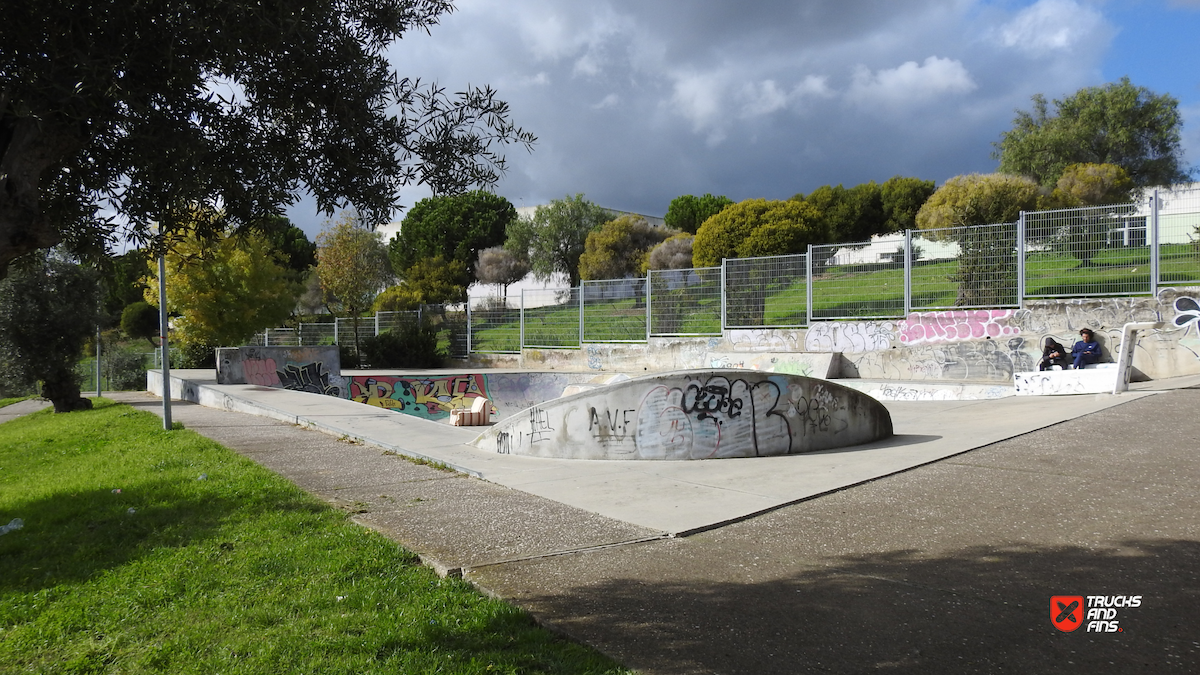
<point x="1087" y="350"/>
<point x="1054" y="354"/>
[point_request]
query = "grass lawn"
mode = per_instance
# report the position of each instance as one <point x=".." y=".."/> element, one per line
<point x="10" y="401"/>
<point x="146" y="551"/>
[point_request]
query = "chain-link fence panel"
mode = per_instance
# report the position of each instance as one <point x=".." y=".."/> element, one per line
<point x="853" y="281"/>
<point x="280" y="337"/>
<point x="766" y="292"/>
<point x="311" y="334"/>
<point x="119" y="370"/>
<point x="934" y="255"/>
<point x="552" y="318"/>
<point x="451" y="324"/>
<point x="1178" y="236"/>
<point x="1095" y="250"/>
<point x="614" y="310"/>
<point x="685" y="302"/>
<point x="386" y="321"/>
<point x="494" y="325"/>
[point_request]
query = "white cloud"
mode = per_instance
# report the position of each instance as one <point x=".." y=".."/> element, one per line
<point x="697" y="97"/>
<point x="762" y="98"/>
<point x="910" y="82"/>
<point x="609" y="101"/>
<point x="1051" y="26"/>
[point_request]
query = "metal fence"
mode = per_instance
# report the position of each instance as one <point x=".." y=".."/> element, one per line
<point x="762" y="292"/>
<point x="1126" y="249"/>
<point x="614" y="310"/>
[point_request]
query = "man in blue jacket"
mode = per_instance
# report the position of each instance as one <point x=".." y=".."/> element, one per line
<point x="1087" y="350"/>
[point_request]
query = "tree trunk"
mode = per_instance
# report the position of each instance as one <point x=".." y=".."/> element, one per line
<point x="62" y="389"/>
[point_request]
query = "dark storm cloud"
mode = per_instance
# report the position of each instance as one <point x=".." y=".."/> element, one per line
<point x="638" y="102"/>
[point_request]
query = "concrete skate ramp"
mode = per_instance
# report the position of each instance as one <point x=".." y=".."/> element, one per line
<point x="695" y="414"/>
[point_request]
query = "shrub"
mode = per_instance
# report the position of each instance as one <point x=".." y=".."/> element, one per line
<point x="409" y="346"/>
<point x="195" y="354"/>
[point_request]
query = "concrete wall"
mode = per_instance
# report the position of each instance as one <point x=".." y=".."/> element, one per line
<point x="312" y="369"/>
<point x="694" y="415"/>
<point x="982" y="346"/>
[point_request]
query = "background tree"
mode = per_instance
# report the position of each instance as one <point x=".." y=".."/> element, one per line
<point x="497" y="265"/>
<point x="987" y="265"/>
<point x="224" y="290"/>
<point x="688" y="212"/>
<point x="756" y="227"/>
<point x="454" y="227"/>
<point x="141" y="320"/>
<point x="730" y="233"/>
<point x="1118" y="123"/>
<point x="673" y="254"/>
<point x="901" y="199"/>
<point x="620" y="248"/>
<point x="122" y="283"/>
<point x="1084" y="232"/>
<point x="429" y="282"/>
<point x="849" y="214"/>
<point x="48" y="311"/>
<point x="353" y="266"/>
<point x="293" y="249"/>
<point x="142" y="107"/>
<point x="554" y="238"/>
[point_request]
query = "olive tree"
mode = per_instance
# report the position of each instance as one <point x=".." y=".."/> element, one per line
<point x="148" y="109"/>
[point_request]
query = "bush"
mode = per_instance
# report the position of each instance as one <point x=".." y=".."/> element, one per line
<point x="198" y="354"/>
<point x="126" y="371"/>
<point x="140" y="320"/>
<point x="411" y="346"/>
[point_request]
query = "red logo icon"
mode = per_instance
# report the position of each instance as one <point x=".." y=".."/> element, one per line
<point x="1066" y="612"/>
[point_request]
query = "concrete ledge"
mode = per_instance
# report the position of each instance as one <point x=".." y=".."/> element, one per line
<point x="807" y="364"/>
<point x="1095" y="378"/>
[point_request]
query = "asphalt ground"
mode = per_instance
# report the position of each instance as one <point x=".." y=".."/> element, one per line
<point x="946" y="567"/>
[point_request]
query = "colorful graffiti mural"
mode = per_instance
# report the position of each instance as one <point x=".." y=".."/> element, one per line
<point x="428" y="397"/>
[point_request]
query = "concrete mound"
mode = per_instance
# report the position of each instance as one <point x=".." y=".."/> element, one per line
<point x="694" y="414"/>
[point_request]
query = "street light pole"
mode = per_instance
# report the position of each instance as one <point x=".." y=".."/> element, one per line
<point x="162" y="342"/>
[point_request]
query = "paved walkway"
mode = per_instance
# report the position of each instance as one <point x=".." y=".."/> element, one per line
<point x="945" y="567"/>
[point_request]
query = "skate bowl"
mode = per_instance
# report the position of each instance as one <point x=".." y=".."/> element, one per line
<point x="694" y="414"/>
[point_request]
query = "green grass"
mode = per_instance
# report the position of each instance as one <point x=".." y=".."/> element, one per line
<point x="10" y="401"/>
<point x="238" y="572"/>
<point x="841" y="292"/>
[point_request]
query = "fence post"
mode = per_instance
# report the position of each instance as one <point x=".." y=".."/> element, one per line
<point x="521" y="346"/>
<point x="580" y="313"/>
<point x="1021" y="260"/>
<point x="649" y="287"/>
<point x="808" y="287"/>
<point x="335" y="331"/>
<point x="723" y="303"/>
<point x="907" y="272"/>
<point x="468" y="325"/>
<point x="1154" y="249"/>
<point x="377" y="323"/>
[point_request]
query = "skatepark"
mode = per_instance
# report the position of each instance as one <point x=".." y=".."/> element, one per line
<point x="934" y="549"/>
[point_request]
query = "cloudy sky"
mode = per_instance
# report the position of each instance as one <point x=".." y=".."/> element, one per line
<point x="635" y="102"/>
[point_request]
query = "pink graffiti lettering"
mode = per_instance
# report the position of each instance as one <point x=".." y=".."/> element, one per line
<point x="956" y="326"/>
<point x="261" y="372"/>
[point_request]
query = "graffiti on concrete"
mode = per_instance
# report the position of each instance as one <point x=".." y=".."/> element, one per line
<point x="956" y="326"/>
<point x="261" y="372"/>
<point x="699" y="420"/>
<point x="763" y="340"/>
<point x="858" y="336"/>
<point x="992" y="360"/>
<point x="698" y="415"/>
<point x="1187" y="311"/>
<point x="309" y="377"/>
<point x="428" y="397"/>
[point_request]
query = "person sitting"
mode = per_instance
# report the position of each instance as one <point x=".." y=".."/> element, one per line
<point x="1054" y="354"/>
<point x="1087" y="350"/>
